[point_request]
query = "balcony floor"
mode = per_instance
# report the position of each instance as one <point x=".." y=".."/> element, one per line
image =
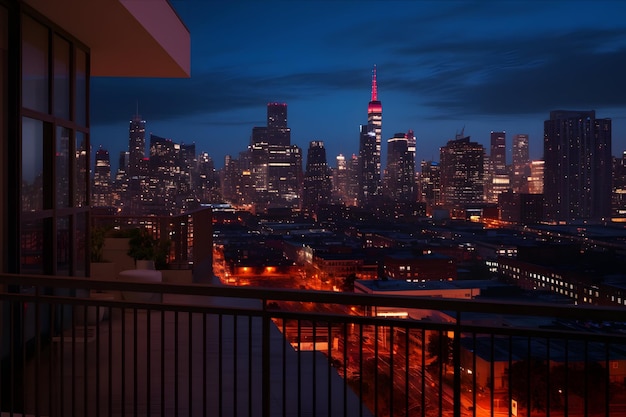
<point x="100" y="380"/>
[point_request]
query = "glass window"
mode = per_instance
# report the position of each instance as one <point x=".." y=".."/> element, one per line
<point x="32" y="247"/>
<point x="32" y="165"/>
<point x="81" y="88"/>
<point x="80" y="245"/>
<point x="80" y="170"/>
<point x="34" y="65"/>
<point x="61" y="78"/>
<point x="62" y="156"/>
<point x="64" y="246"/>
<point x="4" y="65"/>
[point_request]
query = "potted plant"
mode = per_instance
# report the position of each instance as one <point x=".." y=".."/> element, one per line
<point x="99" y="267"/>
<point x="97" y="243"/>
<point x="148" y="252"/>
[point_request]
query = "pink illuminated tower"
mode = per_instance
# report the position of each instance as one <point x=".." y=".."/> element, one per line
<point x="375" y="119"/>
<point x="370" y="186"/>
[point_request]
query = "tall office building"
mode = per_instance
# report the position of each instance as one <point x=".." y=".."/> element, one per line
<point x="101" y="190"/>
<point x="535" y="179"/>
<point x="375" y="118"/>
<point x="275" y="164"/>
<point x="430" y="184"/>
<point x="137" y="166"/>
<point x="354" y="183"/>
<point x="317" y="186"/>
<point x="340" y="180"/>
<point x="577" y="178"/>
<point x="276" y="132"/>
<point x="618" y="195"/>
<point x="497" y="178"/>
<point x="136" y="146"/>
<point x="400" y="172"/>
<point x="462" y="169"/>
<point x="205" y="180"/>
<point x="520" y="168"/>
<point x="369" y="149"/>
<point x="498" y="152"/>
<point x="160" y="187"/>
<point x="369" y="175"/>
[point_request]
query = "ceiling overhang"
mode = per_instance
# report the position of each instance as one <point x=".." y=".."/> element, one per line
<point x="127" y="38"/>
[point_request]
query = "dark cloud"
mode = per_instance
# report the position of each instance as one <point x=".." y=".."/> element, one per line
<point x="520" y="76"/>
<point x="114" y="99"/>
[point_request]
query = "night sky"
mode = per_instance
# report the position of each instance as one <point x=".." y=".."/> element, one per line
<point x="442" y="67"/>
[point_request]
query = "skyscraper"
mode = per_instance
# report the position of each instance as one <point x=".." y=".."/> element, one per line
<point x="136" y="145"/>
<point x="400" y="172"/>
<point x="520" y="164"/>
<point x="498" y="152"/>
<point x="375" y="118"/>
<point x="340" y="180"/>
<point x="369" y="149"/>
<point x="430" y="184"/>
<point x="369" y="169"/>
<point x="277" y="131"/>
<point x="577" y="178"/>
<point x="462" y="169"/>
<point x="317" y="187"/>
<point x="353" y="166"/>
<point x="101" y="191"/>
<point x="275" y="164"/>
<point x="536" y="177"/>
<point x="137" y="165"/>
<point x="497" y="178"/>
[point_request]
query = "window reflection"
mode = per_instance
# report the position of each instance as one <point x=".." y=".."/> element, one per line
<point x="61" y="78"/>
<point x="32" y="247"/>
<point x="80" y="244"/>
<point x="62" y="156"/>
<point x="4" y="64"/>
<point x="34" y="65"/>
<point x="64" y="246"/>
<point x="81" y="88"/>
<point x="80" y="170"/>
<point x="32" y="164"/>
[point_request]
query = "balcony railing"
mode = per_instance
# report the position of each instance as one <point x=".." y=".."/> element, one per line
<point x="77" y="347"/>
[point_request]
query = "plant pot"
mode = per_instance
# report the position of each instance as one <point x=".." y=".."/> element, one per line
<point x="137" y="275"/>
<point x="144" y="264"/>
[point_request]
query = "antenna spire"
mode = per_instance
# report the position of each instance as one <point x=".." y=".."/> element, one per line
<point x="374" y="86"/>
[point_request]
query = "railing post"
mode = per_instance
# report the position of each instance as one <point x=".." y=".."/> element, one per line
<point x="265" y="362"/>
<point x="456" y="360"/>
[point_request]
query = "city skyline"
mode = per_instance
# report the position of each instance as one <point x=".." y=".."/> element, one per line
<point x="442" y="68"/>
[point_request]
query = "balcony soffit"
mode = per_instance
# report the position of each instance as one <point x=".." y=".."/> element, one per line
<point x="127" y="38"/>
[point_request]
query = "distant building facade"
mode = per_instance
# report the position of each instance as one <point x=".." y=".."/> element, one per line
<point x="497" y="179"/>
<point x="400" y="171"/>
<point x="520" y="167"/>
<point x="101" y="186"/>
<point x="462" y="172"/>
<point x="577" y="178"/>
<point x="430" y="183"/>
<point x="275" y="164"/>
<point x="317" y="185"/>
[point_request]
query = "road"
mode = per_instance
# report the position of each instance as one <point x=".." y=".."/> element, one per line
<point x="364" y="345"/>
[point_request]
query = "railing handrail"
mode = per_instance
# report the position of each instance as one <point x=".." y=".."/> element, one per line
<point x="455" y="306"/>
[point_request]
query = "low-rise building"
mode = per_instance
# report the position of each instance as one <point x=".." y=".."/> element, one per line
<point x="420" y="267"/>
